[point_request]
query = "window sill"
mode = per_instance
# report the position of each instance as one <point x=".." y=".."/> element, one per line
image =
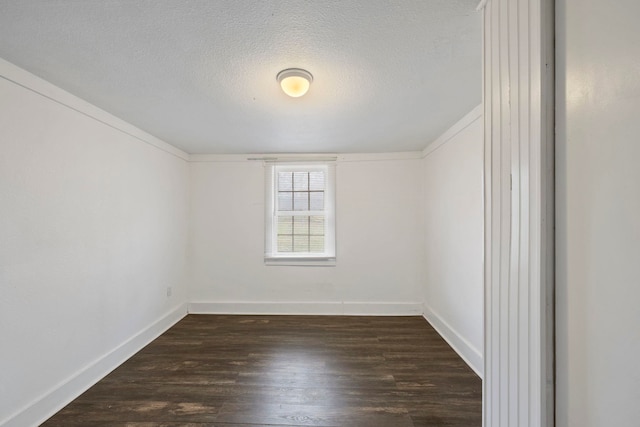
<point x="301" y="261"/>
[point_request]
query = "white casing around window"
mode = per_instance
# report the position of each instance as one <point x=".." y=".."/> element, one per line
<point x="272" y="256"/>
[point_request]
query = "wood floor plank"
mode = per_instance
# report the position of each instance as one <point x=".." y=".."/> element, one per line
<point x="253" y="371"/>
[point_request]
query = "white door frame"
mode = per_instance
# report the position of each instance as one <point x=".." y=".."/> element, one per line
<point x="518" y="116"/>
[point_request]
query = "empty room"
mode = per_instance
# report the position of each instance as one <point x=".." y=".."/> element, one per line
<point x="319" y="213"/>
<point x="192" y="238"/>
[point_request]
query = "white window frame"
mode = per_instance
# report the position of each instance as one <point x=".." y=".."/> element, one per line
<point x="272" y="256"/>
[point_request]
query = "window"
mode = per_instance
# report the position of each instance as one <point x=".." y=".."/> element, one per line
<point x="300" y="214"/>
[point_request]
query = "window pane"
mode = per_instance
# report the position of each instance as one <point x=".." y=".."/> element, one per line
<point x="301" y="181"/>
<point x="316" y="180"/>
<point x="316" y="244"/>
<point x="285" y="200"/>
<point x="301" y="201"/>
<point x="301" y="244"/>
<point x="301" y="225"/>
<point x="285" y="225"/>
<point x="285" y="181"/>
<point x="298" y="190"/>
<point x="316" y="199"/>
<point x="316" y="225"/>
<point x="285" y="243"/>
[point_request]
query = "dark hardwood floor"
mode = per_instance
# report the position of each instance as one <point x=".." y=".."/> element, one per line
<point x="241" y="371"/>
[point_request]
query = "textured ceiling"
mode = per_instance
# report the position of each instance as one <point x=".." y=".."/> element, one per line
<point x="201" y="74"/>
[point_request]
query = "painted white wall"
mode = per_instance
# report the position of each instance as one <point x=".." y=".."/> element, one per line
<point x="453" y="236"/>
<point x="598" y="207"/>
<point x="93" y="228"/>
<point x="97" y="216"/>
<point x="378" y="241"/>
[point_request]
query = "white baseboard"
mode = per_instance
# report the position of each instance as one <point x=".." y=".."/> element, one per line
<point x="308" y="308"/>
<point x="57" y="398"/>
<point x="471" y="355"/>
<point x="52" y="401"/>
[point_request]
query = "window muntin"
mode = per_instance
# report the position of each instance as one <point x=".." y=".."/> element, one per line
<point x="300" y="234"/>
<point x="300" y="212"/>
<point x="300" y="218"/>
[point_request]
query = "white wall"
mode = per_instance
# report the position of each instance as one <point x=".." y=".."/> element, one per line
<point x="378" y="241"/>
<point x="453" y="237"/>
<point x="98" y="218"/>
<point x="598" y="212"/>
<point x="93" y="227"/>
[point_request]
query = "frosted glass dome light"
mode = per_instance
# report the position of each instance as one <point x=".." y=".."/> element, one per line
<point x="295" y="82"/>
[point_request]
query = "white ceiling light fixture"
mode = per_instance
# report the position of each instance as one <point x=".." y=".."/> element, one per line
<point x="294" y="82"/>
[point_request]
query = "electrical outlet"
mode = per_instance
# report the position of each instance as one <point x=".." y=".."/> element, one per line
<point x="169" y="290"/>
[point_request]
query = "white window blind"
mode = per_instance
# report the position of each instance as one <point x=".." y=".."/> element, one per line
<point x="300" y="214"/>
